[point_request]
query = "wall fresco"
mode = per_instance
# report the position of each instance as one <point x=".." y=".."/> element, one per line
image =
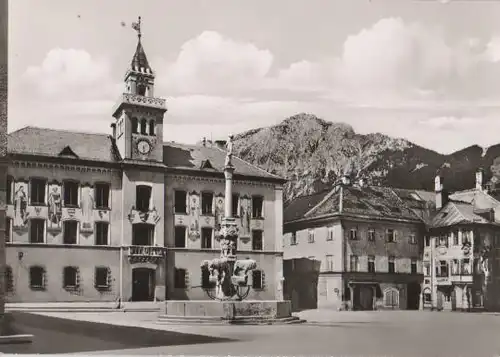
<point x="194" y="212"/>
<point x="54" y="224"/>
<point x="245" y="215"/>
<point x="87" y="204"/>
<point x="219" y="212"/>
<point x="20" y="205"/>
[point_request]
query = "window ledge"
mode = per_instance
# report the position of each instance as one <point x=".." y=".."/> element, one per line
<point x="38" y="204"/>
<point x="103" y="208"/>
<point x="71" y="287"/>
<point x="207" y="215"/>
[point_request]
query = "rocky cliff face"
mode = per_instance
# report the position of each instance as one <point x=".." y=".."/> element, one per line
<point x="312" y="154"/>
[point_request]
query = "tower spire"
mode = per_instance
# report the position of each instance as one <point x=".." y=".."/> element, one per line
<point x="139" y="61"/>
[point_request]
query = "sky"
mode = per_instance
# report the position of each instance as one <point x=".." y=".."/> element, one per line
<point x="424" y="70"/>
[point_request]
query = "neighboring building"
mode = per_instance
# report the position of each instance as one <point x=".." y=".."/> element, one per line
<point x="462" y="255"/>
<point x="368" y="241"/>
<point x="95" y="217"/>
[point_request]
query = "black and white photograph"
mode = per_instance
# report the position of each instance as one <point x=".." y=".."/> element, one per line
<point x="250" y="178"/>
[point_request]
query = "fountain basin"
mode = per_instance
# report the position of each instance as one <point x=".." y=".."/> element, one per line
<point x="223" y="312"/>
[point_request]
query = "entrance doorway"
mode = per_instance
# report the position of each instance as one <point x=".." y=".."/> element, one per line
<point x="363" y="297"/>
<point x="143" y="284"/>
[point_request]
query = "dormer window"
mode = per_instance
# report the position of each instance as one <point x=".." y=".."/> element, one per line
<point x="144" y="127"/>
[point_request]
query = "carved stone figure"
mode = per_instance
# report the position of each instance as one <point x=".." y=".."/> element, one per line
<point x="241" y="270"/>
<point x="229" y="155"/>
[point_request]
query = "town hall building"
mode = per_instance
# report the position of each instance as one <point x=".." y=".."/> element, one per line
<point x="127" y="216"/>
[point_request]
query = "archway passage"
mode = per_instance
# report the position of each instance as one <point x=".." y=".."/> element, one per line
<point x="413" y="296"/>
<point x="143" y="284"/>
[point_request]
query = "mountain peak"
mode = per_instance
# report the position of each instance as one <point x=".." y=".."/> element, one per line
<point x="312" y="154"/>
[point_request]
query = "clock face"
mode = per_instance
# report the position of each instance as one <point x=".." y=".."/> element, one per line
<point x="143" y="147"/>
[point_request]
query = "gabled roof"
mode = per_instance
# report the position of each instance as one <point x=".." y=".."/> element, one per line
<point x="367" y="201"/>
<point x="49" y="142"/>
<point x="191" y="157"/>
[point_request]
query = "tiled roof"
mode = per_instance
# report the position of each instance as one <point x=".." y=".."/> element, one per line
<point x="456" y="213"/>
<point x="191" y="157"/>
<point x="49" y="142"/>
<point x="298" y="207"/>
<point x="372" y="201"/>
<point x="421" y="202"/>
<point x="99" y="147"/>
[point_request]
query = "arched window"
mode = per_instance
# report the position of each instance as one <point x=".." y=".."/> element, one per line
<point x="141" y="89"/>
<point x="144" y="127"/>
<point x="152" y="127"/>
<point x="391" y="298"/>
<point x="427" y="296"/>
<point x="135" y="125"/>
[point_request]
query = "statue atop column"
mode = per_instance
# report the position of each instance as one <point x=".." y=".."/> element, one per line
<point x="229" y="274"/>
<point x="229" y="154"/>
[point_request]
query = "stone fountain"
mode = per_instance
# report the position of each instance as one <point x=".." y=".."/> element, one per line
<point x="229" y="276"/>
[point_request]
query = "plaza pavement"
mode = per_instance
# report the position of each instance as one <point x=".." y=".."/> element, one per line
<point x="328" y="332"/>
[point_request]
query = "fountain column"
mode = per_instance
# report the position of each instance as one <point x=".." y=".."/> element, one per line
<point x="229" y="229"/>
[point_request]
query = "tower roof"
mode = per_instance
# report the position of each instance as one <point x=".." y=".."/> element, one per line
<point x="140" y="60"/>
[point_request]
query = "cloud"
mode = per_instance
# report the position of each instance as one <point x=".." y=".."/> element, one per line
<point x="386" y="77"/>
<point x="71" y="72"/>
<point x="211" y="62"/>
<point x="450" y="123"/>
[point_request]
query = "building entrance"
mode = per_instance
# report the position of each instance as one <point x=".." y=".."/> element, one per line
<point x="143" y="284"/>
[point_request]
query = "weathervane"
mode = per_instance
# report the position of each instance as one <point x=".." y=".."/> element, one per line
<point x="137" y="26"/>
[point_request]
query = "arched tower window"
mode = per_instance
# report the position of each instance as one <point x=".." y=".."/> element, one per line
<point x="152" y="127"/>
<point x="144" y="125"/>
<point x="135" y="125"/>
<point x="141" y="89"/>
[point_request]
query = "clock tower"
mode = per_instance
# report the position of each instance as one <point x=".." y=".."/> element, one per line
<point x="138" y="125"/>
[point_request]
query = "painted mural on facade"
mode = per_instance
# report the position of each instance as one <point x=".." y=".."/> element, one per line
<point x="20" y="205"/>
<point x="87" y="203"/>
<point x="194" y="213"/>
<point x="219" y="212"/>
<point x="245" y="214"/>
<point x="54" y="224"/>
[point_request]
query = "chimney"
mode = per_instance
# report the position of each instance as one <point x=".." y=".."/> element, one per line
<point x="113" y="128"/>
<point x="438" y="189"/>
<point x="479" y="179"/>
